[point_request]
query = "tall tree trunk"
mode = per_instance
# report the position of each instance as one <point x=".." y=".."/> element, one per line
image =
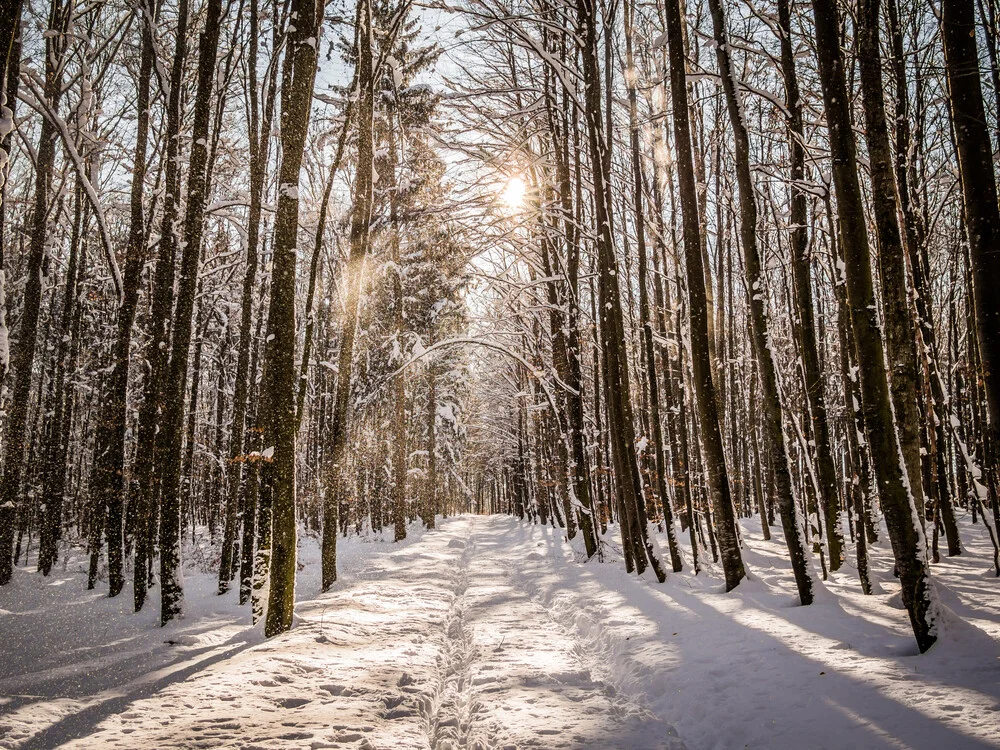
<point x="108" y="478"/>
<point x="915" y="242"/>
<point x="399" y="452"/>
<point x="904" y="526"/>
<point x="618" y="400"/>
<point x="148" y="456"/>
<point x="638" y="188"/>
<point x="24" y="355"/>
<point x="170" y="440"/>
<point x="979" y="189"/>
<point x="577" y="464"/>
<point x="431" y="482"/>
<point x="399" y="420"/>
<point x="187" y="489"/>
<point x="802" y="283"/>
<point x="360" y="239"/>
<point x="560" y="364"/>
<point x="704" y="388"/>
<point x="897" y="318"/>
<point x="260" y="139"/>
<point x="57" y="427"/>
<point x="278" y="474"/>
<point x="10" y="60"/>
<point x="684" y="473"/>
<point x="790" y="521"/>
<point x="256" y="542"/>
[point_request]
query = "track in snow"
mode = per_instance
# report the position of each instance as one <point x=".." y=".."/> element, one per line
<point x="511" y="675"/>
<point x="452" y="706"/>
<point x="430" y="645"/>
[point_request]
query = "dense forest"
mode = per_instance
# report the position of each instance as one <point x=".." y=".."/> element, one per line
<point x="638" y="270"/>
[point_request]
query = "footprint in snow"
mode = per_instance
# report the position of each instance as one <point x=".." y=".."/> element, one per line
<point x="293" y="702"/>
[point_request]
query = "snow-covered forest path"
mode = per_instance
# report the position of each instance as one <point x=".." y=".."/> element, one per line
<point x="490" y="633"/>
<point x="433" y="644"/>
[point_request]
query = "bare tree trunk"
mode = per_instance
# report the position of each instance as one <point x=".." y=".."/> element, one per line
<point x="107" y="483"/>
<point x="360" y="239"/>
<point x="896" y="314"/>
<point x="260" y="138"/>
<point x="256" y="546"/>
<point x="755" y="281"/>
<point x="914" y="235"/>
<point x="802" y="283"/>
<point x="186" y="490"/>
<point x="684" y="459"/>
<point x="399" y="421"/>
<point x="170" y="439"/>
<point x="431" y="482"/>
<point x="704" y="388"/>
<point x="616" y="377"/>
<point x="280" y="424"/>
<point x="24" y="357"/>
<point x="577" y="465"/>
<point x="10" y="60"/>
<point x="57" y="427"/>
<point x="979" y="189"/>
<point x="148" y="463"/>
<point x="638" y="187"/>
<point x="904" y="527"/>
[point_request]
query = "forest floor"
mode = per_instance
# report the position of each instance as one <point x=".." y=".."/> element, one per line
<point x="492" y="633"/>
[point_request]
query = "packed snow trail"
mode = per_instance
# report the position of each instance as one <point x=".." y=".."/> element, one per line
<point x="490" y="633"/>
<point x="431" y="645"/>
<point x="521" y="675"/>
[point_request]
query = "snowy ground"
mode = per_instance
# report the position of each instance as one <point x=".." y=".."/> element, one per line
<point x="490" y="633"/>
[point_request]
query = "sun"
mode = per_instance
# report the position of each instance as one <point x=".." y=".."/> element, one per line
<point x="513" y="193"/>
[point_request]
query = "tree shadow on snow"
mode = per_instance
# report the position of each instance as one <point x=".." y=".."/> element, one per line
<point x="83" y="722"/>
<point x="812" y="702"/>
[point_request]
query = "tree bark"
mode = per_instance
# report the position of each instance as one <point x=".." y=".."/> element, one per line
<point x="108" y="479"/>
<point x="56" y="430"/>
<point x="278" y="474"/>
<point x="915" y="242"/>
<point x="10" y="58"/>
<point x="704" y="387"/>
<point x="802" y="284"/>
<point x="24" y="356"/>
<point x="616" y="377"/>
<point x="979" y="191"/>
<point x="149" y="448"/>
<point x="360" y="239"/>
<point x="577" y="464"/>
<point x="773" y="418"/>
<point x="904" y="526"/>
<point x="896" y="314"/>
<point x="260" y="139"/>
<point x="638" y="188"/>
<point x="170" y="439"/>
